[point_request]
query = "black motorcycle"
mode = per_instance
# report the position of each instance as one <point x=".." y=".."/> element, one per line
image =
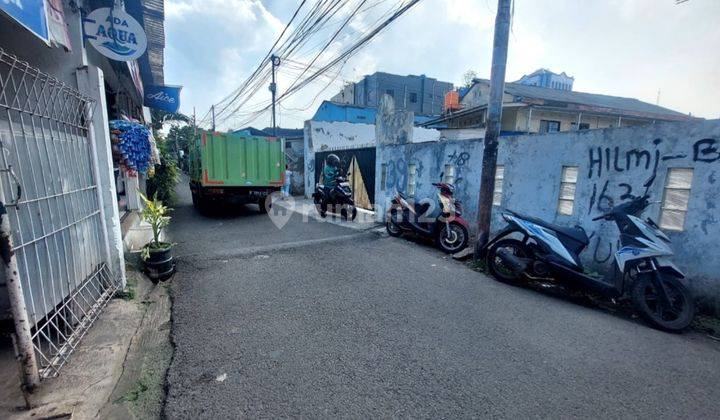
<point x="533" y="249"/>
<point x="337" y="199"/>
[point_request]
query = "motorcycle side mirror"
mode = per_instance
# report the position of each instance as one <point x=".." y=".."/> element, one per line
<point x="442" y="174"/>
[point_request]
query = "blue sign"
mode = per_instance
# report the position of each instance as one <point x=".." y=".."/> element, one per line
<point x="166" y="98"/>
<point x="30" y="14"/>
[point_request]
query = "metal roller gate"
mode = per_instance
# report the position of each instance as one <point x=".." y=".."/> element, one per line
<point x="54" y="239"/>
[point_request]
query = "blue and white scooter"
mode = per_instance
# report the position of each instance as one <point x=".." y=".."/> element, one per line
<point x="529" y="248"/>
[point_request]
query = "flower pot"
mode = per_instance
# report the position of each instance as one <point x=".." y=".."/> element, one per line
<point x="159" y="264"/>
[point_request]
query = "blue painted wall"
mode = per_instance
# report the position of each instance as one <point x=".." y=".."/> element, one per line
<point x="333" y="112"/>
<point x="611" y="162"/>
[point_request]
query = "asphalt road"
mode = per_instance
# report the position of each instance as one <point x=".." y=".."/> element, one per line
<point x="316" y="320"/>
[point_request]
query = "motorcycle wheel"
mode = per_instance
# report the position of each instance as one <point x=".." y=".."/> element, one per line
<point x="454" y="240"/>
<point x="348" y="212"/>
<point x="392" y="228"/>
<point x="495" y="264"/>
<point x="645" y="300"/>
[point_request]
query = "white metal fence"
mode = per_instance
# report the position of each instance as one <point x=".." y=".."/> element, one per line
<point x="48" y="184"/>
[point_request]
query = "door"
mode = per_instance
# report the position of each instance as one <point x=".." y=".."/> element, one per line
<point x="359" y="166"/>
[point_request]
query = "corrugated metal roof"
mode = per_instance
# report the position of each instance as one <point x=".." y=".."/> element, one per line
<point x="285" y="132"/>
<point x="591" y="99"/>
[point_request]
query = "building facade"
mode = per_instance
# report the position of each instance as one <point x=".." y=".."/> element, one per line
<point x="62" y="178"/>
<point x="340" y="112"/>
<point x="420" y="94"/>
<point x="534" y="109"/>
<point x="547" y="79"/>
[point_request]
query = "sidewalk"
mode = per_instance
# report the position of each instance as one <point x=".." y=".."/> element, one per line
<point x="364" y="221"/>
<point x="117" y="371"/>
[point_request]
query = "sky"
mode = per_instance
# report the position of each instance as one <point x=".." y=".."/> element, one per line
<point x="630" y="48"/>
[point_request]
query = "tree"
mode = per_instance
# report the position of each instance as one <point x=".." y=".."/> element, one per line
<point x="180" y="137"/>
<point x="159" y="117"/>
<point x="468" y="78"/>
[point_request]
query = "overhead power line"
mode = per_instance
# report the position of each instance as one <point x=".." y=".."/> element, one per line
<point x="320" y="18"/>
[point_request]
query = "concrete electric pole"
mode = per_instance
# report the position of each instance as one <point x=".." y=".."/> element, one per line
<point x="494" y="118"/>
<point x="275" y="61"/>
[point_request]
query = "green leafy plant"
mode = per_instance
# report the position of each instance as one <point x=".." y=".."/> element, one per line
<point x="162" y="182"/>
<point x="155" y="213"/>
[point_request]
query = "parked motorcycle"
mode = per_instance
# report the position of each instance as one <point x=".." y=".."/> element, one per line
<point x="337" y="199"/>
<point x="642" y="267"/>
<point x="440" y="219"/>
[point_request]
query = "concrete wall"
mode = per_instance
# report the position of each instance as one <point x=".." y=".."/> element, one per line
<point x="612" y="162"/>
<point x="296" y="148"/>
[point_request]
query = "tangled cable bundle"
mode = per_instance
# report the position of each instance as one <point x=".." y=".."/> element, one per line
<point x="132" y="142"/>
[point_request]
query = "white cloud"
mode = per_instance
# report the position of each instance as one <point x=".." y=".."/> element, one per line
<point x="618" y="47"/>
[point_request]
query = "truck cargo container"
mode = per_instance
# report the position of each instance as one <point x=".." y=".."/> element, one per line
<point x="232" y="168"/>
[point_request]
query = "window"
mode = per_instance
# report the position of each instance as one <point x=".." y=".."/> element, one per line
<point x="497" y="190"/>
<point x="413" y="97"/>
<point x="567" y="190"/>
<point x="449" y="174"/>
<point x="548" y="126"/>
<point x="411" y="179"/>
<point x="383" y="176"/>
<point x="390" y="92"/>
<point x="676" y="198"/>
<point x="583" y="126"/>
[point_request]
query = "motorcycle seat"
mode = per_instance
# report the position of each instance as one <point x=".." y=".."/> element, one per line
<point x="576" y="233"/>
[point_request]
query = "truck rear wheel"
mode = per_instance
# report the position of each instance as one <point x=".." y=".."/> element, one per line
<point x="264" y="204"/>
<point x="200" y="203"/>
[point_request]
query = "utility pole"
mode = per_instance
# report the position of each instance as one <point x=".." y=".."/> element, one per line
<point x="24" y="350"/>
<point x="494" y="118"/>
<point x="212" y="109"/>
<point x="275" y="61"/>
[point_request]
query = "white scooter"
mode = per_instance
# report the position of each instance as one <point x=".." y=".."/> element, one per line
<point x="643" y="267"/>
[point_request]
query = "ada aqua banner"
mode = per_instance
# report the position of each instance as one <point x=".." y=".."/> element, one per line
<point x="166" y="98"/>
<point x="115" y="34"/>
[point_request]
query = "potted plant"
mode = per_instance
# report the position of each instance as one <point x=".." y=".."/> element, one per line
<point x="156" y="255"/>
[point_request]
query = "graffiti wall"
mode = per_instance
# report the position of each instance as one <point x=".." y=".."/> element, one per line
<point x="612" y="165"/>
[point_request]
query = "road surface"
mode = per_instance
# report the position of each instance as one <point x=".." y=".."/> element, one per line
<point x="317" y="320"/>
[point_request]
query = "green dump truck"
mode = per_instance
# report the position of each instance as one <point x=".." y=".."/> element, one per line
<point x="232" y="168"/>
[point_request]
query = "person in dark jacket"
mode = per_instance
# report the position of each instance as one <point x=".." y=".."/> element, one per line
<point x="331" y="171"/>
